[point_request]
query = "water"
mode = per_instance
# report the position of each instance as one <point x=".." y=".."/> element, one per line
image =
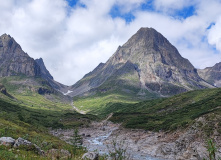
<point x="98" y="144"/>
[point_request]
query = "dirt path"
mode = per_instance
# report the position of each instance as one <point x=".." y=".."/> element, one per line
<point x="76" y="109"/>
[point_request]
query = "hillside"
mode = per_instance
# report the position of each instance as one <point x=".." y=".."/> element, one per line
<point x="31" y="103"/>
<point x="177" y="127"/>
<point x="177" y="112"/>
<point x="18" y="119"/>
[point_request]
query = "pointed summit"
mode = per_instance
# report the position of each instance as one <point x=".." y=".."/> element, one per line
<point x="44" y="72"/>
<point x="147" y="62"/>
<point x="148" y="34"/>
<point x="14" y="61"/>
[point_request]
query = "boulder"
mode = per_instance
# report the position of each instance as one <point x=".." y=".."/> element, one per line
<point x="7" y="141"/>
<point x="90" y="156"/>
<point x="28" y="145"/>
<point x="20" y="141"/>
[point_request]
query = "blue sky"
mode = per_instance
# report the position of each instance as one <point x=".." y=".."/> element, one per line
<point x="74" y="36"/>
<point x="147" y="5"/>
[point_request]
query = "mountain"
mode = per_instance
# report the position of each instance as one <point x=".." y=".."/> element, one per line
<point x="45" y="74"/>
<point x="212" y="74"/>
<point x="146" y="63"/>
<point x="14" y="61"/>
<point x="23" y="76"/>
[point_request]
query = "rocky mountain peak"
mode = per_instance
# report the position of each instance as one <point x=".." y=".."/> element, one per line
<point x="14" y="61"/>
<point x="212" y="74"/>
<point x="217" y="67"/>
<point x="147" y="42"/>
<point x="147" y="61"/>
<point x="147" y="35"/>
<point x="44" y="72"/>
<point x="5" y="36"/>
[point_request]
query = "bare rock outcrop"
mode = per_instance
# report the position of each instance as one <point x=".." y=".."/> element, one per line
<point x="14" y="61"/>
<point x="212" y="74"/>
<point x="7" y="141"/>
<point x="147" y="62"/>
<point x="28" y="145"/>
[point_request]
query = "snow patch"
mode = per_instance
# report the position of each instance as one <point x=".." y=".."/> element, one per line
<point x="68" y="92"/>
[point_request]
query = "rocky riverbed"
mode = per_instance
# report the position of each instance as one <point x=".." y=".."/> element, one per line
<point x="141" y="144"/>
<point x="99" y="137"/>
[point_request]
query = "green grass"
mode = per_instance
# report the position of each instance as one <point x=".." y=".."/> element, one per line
<point x="40" y="102"/>
<point x="165" y="114"/>
<point x="36" y="135"/>
<point x="29" y="115"/>
<point x="31" y="124"/>
<point x="96" y="104"/>
<point x="108" y="94"/>
<point x="27" y="95"/>
<point x="13" y="111"/>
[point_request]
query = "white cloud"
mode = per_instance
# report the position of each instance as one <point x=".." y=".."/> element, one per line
<point x="73" y="41"/>
<point x="129" y="5"/>
<point x="214" y="35"/>
<point x="172" y="5"/>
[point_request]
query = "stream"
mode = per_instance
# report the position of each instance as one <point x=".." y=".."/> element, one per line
<point x="100" y="139"/>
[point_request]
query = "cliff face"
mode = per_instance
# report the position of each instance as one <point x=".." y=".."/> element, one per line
<point x="14" y="61"/>
<point x="212" y="74"/>
<point x="147" y="61"/>
<point x="45" y="74"/>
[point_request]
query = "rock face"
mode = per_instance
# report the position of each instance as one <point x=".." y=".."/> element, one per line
<point x="3" y="90"/>
<point x="44" y="91"/>
<point x="45" y="74"/>
<point x="146" y="62"/>
<point x="212" y="74"/>
<point x="14" y="61"/>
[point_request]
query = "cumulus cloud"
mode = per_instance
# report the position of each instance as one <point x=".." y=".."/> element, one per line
<point x="214" y="35"/>
<point x="172" y="5"/>
<point x="74" y="40"/>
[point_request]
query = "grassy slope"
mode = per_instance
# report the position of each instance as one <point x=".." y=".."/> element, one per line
<point x="110" y="93"/>
<point x="36" y="109"/>
<point x="167" y="114"/>
<point x="30" y="114"/>
<point x="26" y="95"/>
<point x="31" y="124"/>
<point x="123" y="86"/>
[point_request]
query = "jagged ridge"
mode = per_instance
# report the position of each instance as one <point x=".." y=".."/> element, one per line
<point x="14" y="61"/>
